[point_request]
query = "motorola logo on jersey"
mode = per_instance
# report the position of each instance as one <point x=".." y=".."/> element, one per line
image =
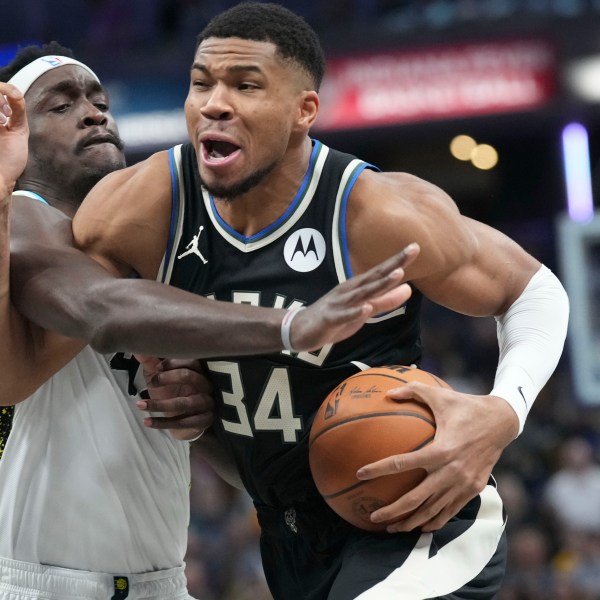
<point x="304" y="250"/>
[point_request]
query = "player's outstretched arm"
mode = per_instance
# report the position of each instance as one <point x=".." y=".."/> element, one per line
<point x="60" y="288"/>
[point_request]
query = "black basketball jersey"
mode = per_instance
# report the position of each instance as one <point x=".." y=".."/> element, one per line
<point x="265" y="404"/>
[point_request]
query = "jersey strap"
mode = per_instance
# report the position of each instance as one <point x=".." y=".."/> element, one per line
<point x="29" y="194"/>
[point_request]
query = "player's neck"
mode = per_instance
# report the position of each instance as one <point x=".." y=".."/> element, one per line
<point x="55" y="197"/>
<point x="258" y="208"/>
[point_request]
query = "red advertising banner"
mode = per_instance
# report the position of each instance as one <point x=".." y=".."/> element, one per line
<point x="436" y="83"/>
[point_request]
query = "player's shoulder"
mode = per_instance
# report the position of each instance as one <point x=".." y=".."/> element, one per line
<point x="121" y="193"/>
<point x="400" y="184"/>
<point x="401" y="194"/>
<point x="35" y="220"/>
<point x="135" y="199"/>
<point x="152" y="170"/>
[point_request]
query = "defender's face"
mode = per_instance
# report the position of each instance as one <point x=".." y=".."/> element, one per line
<point x="72" y="132"/>
<point x="241" y="111"/>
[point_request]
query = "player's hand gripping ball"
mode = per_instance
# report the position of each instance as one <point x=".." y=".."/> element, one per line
<point x="358" y="424"/>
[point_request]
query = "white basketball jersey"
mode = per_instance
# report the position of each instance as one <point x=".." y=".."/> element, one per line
<point x="84" y="485"/>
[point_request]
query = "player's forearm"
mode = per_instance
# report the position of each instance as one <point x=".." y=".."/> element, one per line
<point x="140" y="316"/>
<point x="531" y="336"/>
<point x="159" y="320"/>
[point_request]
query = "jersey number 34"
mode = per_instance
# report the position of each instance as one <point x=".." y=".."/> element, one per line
<point x="274" y="411"/>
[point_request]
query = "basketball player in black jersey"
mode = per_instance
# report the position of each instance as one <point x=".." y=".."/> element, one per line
<point x="73" y="140"/>
<point x="254" y="210"/>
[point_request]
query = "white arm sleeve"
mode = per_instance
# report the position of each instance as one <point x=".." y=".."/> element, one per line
<point x="531" y="336"/>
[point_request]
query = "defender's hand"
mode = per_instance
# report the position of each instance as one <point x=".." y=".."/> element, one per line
<point x="471" y="433"/>
<point x="14" y="137"/>
<point x="346" y="308"/>
<point x="181" y="392"/>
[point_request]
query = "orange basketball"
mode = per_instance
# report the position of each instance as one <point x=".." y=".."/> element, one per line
<point x="358" y="424"/>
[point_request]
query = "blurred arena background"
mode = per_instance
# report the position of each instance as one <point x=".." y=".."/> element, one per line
<point x="497" y="102"/>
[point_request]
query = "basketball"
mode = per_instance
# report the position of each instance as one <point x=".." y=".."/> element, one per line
<point x="358" y="424"/>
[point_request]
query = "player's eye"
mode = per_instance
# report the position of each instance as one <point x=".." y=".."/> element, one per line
<point x="248" y="87"/>
<point x="60" y="108"/>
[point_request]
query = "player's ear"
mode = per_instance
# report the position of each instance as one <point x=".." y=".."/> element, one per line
<point x="308" y="109"/>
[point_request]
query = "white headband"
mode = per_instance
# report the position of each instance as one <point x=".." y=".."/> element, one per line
<point x="23" y="79"/>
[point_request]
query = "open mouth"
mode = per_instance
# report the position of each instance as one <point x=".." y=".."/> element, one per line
<point x="218" y="150"/>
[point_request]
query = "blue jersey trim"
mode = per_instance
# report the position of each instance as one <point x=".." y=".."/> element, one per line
<point x="34" y="195"/>
<point x="343" y="212"/>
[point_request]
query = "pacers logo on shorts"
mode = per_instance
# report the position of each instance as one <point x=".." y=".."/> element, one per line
<point x="304" y="250"/>
<point x="121" y="585"/>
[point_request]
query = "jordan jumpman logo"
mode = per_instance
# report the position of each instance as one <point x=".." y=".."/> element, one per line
<point x="193" y="247"/>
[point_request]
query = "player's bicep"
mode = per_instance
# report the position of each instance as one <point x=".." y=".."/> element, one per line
<point x="463" y="264"/>
<point x="403" y="209"/>
<point x="28" y="354"/>
<point x="487" y="280"/>
<point x="52" y="285"/>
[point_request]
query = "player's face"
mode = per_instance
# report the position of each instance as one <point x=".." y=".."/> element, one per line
<point x="243" y="111"/>
<point x="73" y="137"/>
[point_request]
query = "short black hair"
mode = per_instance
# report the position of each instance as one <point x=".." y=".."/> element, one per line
<point x="268" y="22"/>
<point x="30" y="53"/>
